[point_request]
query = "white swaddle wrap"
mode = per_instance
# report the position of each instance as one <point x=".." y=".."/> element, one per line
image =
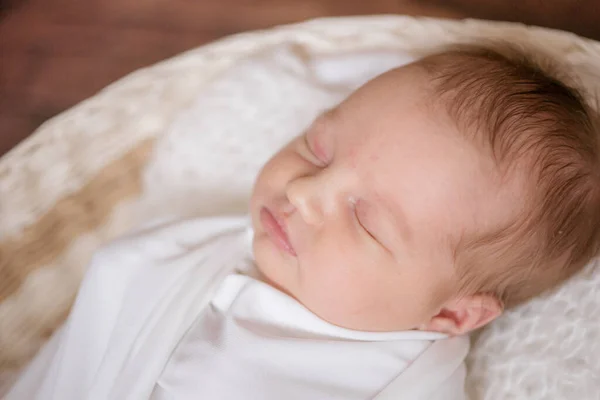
<point x="254" y="342"/>
<point x="146" y="293"/>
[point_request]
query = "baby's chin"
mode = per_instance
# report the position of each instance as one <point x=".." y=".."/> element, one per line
<point x="267" y="266"/>
<point x="274" y="284"/>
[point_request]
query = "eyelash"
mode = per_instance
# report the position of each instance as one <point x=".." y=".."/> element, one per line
<point x="366" y="230"/>
<point x="316" y="158"/>
<point x="355" y="209"/>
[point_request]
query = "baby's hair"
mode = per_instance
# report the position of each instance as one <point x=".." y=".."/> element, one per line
<point x="528" y="114"/>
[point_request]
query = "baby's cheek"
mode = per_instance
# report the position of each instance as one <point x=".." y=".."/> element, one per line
<point x="343" y="299"/>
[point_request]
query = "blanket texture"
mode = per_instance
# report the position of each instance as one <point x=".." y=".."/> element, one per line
<point x="187" y="137"/>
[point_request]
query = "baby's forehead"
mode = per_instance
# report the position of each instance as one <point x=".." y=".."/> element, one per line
<point x="396" y="116"/>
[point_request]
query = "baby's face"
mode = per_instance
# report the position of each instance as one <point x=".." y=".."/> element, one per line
<point x="358" y="218"/>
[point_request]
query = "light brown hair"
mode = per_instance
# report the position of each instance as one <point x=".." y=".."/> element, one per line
<point x="527" y="112"/>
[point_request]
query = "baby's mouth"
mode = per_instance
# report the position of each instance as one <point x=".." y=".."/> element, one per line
<point x="275" y="229"/>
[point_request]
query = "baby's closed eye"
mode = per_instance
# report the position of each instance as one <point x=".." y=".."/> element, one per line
<point x="309" y="153"/>
<point x="359" y="209"/>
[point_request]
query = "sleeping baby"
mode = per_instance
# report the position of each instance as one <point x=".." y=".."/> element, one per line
<point x="433" y="198"/>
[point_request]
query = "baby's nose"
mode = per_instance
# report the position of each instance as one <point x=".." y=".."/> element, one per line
<point x="304" y="195"/>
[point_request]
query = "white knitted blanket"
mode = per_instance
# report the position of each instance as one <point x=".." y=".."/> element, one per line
<point x="187" y="137"/>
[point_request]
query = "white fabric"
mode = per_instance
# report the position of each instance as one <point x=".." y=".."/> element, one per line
<point x="143" y="294"/>
<point x="255" y="343"/>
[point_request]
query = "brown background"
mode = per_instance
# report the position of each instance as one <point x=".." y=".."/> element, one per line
<point x="55" y="53"/>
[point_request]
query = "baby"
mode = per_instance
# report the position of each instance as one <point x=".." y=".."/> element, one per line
<point x="430" y="200"/>
<point x="461" y="184"/>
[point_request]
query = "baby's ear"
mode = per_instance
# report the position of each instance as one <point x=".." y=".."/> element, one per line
<point x="465" y="314"/>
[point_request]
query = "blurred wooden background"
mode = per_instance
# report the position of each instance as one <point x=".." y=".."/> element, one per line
<point x="55" y="53"/>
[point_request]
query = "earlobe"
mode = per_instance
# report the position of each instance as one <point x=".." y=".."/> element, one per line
<point x="465" y="314"/>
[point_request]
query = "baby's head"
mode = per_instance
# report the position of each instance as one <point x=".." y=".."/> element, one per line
<point x="434" y="197"/>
